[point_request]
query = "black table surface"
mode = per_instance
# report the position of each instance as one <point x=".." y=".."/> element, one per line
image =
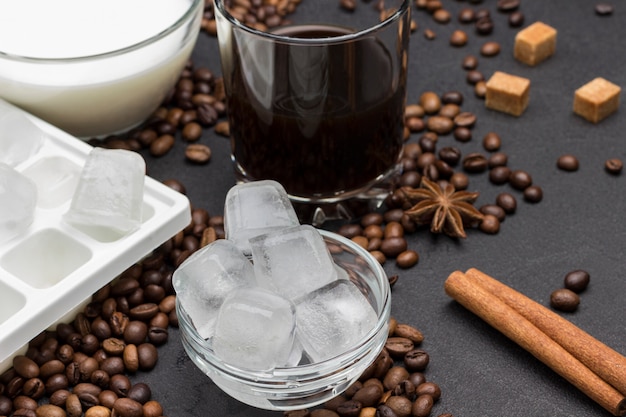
<point x="579" y="224"/>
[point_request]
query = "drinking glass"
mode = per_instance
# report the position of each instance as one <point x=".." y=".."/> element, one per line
<point x="318" y="104"/>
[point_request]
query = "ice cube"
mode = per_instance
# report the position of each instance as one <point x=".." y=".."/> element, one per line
<point x="206" y="278"/>
<point x="18" y="198"/>
<point x="20" y="138"/>
<point x="292" y="261"/>
<point x="255" y="208"/>
<point x="109" y="193"/>
<point x="333" y="319"/>
<point x="255" y="329"/>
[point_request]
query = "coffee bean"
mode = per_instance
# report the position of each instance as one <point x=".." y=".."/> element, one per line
<point x="516" y="19"/>
<point x="507" y="5"/>
<point x="440" y="124"/>
<point x="494" y="210"/>
<point x="429" y="388"/>
<point x="564" y="300"/>
<point x="414" y="110"/>
<point x="497" y="159"/>
<point x="499" y="175"/>
<point x="49" y="410"/>
<point x="483" y="25"/>
<point x="474" y="76"/>
<point x="492" y="142"/>
<point x="409" y="332"/>
<point x="490" y="49"/>
<point x="458" y="38"/>
<point x="490" y="224"/>
<point x="23" y="401"/>
<point x="422" y="406"/>
<point x="459" y="180"/>
<point x="450" y="155"/>
<point x="198" y="153"/>
<point x="59" y="397"/>
<point x="98" y="411"/>
<point x="430" y="102"/>
<point x="462" y="134"/>
<point x="533" y="194"/>
<point x="449" y="110"/>
<point x="480" y="89"/>
<point x="429" y="34"/>
<point x="520" y="180"/>
<point x="613" y="166"/>
<point x="162" y="145"/>
<point x="369" y="395"/>
<point x="416" y="360"/>
<point x="394" y="246"/>
<point x="136" y="332"/>
<point x="442" y="16"/>
<point x="603" y="9"/>
<point x="567" y="162"/>
<point x="400" y="405"/>
<point x="474" y="162"/>
<point x="470" y="62"/>
<point x="152" y="408"/>
<point x="126" y="407"/>
<point x="576" y="280"/>
<point x="507" y="201"/>
<point x="466" y="15"/>
<point x="107" y="398"/>
<point x="465" y="119"/>
<point x="148" y="356"/>
<point x="140" y="392"/>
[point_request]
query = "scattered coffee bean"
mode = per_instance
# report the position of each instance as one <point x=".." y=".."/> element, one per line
<point x="422" y="406"/>
<point x="466" y="15"/>
<point x="452" y="97"/>
<point x="480" y="89"/>
<point x="198" y="153"/>
<point x="499" y="175"/>
<point x="441" y="16"/>
<point x="604" y="9"/>
<point x="474" y="162"/>
<point x="507" y="201"/>
<point x="407" y="259"/>
<point x="492" y="142"/>
<point x="484" y="25"/>
<point x="458" y="38"/>
<point x="490" y="49"/>
<point x="494" y="210"/>
<point x="497" y="159"/>
<point x="533" y="194"/>
<point x="490" y="224"/>
<point x="577" y="280"/>
<point x="430" y="102"/>
<point x="564" y="300"/>
<point x="465" y="119"/>
<point x="507" y="6"/>
<point x="429" y="34"/>
<point x="567" y="163"/>
<point x="470" y="62"/>
<point x="614" y="166"/>
<point x="520" y="180"/>
<point x="516" y="19"/>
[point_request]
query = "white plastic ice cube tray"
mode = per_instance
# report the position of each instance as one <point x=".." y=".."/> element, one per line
<point x="54" y="267"/>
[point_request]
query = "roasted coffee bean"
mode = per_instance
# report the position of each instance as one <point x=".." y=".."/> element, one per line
<point x="409" y="332"/>
<point x="416" y="360"/>
<point x="442" y="16"/>
<point x="458" y="38"/>
<point x="87" y="367"/>
<point x="429" y="34"/>
<point x="516" y="19"/>
<point x="470" y="62"/>
<point x="148" y="356"/>
<point x="393" y="229"/>
<point x="98" y="411"/>
<point x="198" y="153"/>
<point x="118" y="321"/>
<point x="603" y="9"/>
<point x="429" y="388"/>
<point x="162" y="145"/>
<point x="124" y="286"/>
<point x="440" y="124"/>
<point x="465" y="119"/>
<point x="89" y="344"/>
<point x="564" y="300"/>
<point x="136" y="332"/>
<point x="113" y="365"/>
<point x="576" y="280"/>
<point x="415" y="124"/>
<point x="25" y="367"/>
<point x="131" y="358"/>
<point x="23" y="401"/>
<point x="100" y="378"/>
<point x="567" y="162"/>
<point x="533" y="194"/>
<point x="140" y="392"/>
<point x="407" y="259"/>
<point x="350" y="230"/>
<point x="144" y="311"/>
<point x="369" y="395"/>
<point x="450" y="155"/>
<point x="520" y="180"/>
<point x="49" y="410"/>
<point x="490" y="49"/>
<point x="497" y="159"/>
<point x="6" y="405"/>
<point x="157" y="335"/>
<point x="499" y="175"/>
<point x="492" y="142"/>
<point x="613" y="166"/>
<point x="452" y="97"/>
<point x="321" y="412"/>
<point x="100" y="328"/>
<point x="55" y="383"/>
<point x="73" y="407"/>
<point x="507" y="6"/>
<point x="107" y="398"/>
<point x="422" y="406"/>
<point x="350" y="408"/>
<point x="507" y="201"/>
<point x="474" y="162"/>
<point x="474" y="76"/>
<point x="480" y="89"/>
<point x="394" y="376"/>
<point x="398" y="347"/>
<point x="384" y="410"/>
<point x="152" y="409"/>
<point x="494" y="210"/>
<point x="126" y="407"/>
<point x="59" y="397"/>
<point x="483" y="25"/>
<point x="466" y="15"/>
<point x="24" y="412"/>
<point x="394" y="246"/>
<point x="430" y="102"/>
<point x="459" y="181"/>
<point x="50" y="368"/>
<point x="490" y="224"/>
<point x="120" y="385"/>
<point x="113" y="346"/>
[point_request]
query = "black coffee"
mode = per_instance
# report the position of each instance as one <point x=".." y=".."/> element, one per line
<point x="320" y="120"/>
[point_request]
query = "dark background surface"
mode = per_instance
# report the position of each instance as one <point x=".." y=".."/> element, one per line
<point x="578" y="225"/>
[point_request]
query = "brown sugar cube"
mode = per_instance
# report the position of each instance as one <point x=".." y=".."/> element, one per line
<point x="596" y="100"/>
<point x="507" y="93"/>
<point x="535" y="44"/>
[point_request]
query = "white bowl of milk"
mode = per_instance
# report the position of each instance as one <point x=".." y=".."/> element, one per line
<point x="94" y="68"/>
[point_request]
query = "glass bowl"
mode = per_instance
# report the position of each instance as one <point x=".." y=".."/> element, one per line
<point x="312" y="384"/>
<point x="106" y="91"/>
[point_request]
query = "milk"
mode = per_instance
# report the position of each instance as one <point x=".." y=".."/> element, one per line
<point x="102" y="94"/>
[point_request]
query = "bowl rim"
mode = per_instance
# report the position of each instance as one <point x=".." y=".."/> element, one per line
<point x="397" y="15"/>
<point x="195" y="6"/>
<point x="309" y="373"/>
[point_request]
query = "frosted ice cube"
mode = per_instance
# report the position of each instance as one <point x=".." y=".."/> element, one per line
<point x="292" y="261"/>
<point x="109" y="193"/>
<point x="206" y="278"/>
<point x="255" y="208"/>
<point x="333" y="319"/>
<point x="20" y="138"/>
<point x="255" y="329"/>
<point x="18" y="198"/>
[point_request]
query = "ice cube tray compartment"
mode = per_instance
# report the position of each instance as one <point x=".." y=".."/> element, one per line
<point x="54" y="267"/>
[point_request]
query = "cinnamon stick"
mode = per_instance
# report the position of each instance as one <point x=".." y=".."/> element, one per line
<point x="600" y="358"/>
<point x="516" y="327"/>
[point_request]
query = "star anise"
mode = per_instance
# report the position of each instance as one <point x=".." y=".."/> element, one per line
<point x="446" y="210"/>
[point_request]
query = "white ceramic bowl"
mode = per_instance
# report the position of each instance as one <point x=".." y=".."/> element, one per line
<point x="106" y="91"/>
<point x="306" y="385"/>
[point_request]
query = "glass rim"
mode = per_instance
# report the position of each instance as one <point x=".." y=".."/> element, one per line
<point x="396" y="15"/>
<point x="185" y="17"/>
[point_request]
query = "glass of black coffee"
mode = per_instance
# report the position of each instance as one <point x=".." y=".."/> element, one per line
<point x="317" y="104"/>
